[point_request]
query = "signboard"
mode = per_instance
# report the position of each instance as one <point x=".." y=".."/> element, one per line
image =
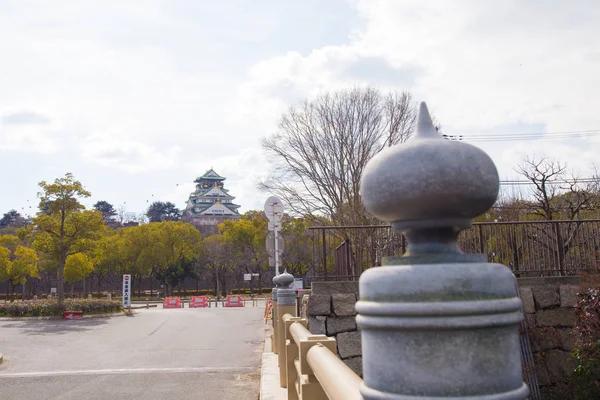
<point x="53" y="292"/>
<point x="270" y="243"/>
<point x="274" y="209"/>
<point x="247" y="277"/>
<point x="72" y="315"/>
<point x="298" y="284"/>
<point x="126" y="291"/>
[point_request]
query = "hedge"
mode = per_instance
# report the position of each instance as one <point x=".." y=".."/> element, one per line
<point x="49" y="308"/>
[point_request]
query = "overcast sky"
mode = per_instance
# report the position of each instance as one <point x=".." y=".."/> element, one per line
<point x="137" y="98"/>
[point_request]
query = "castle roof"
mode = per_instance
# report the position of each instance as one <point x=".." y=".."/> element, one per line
<point x="216" y="208"/>
<point x="210" y="175"/>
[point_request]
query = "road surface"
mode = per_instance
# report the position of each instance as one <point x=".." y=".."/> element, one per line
<point x="155" y="354"/>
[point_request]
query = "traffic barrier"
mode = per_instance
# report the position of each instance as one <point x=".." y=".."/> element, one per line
<point x="235" y="301"/>
<point x="199" y="302"/>
<point x="268" y="308"/>
<point x="173" y="302"/>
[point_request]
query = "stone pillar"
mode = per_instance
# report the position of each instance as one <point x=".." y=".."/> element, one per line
<point x="436" y="323"/>
<point x="274" y="317"/>
<point x="286" y="304"/>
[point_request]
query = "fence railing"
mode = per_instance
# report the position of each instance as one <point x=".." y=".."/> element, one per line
<point x="531" y="248"/>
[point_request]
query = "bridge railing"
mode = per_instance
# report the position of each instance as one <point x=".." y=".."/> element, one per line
<point x="308" y="364"/>
<point x="312" y="368"/>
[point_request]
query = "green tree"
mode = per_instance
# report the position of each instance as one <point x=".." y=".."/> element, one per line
<point x="299" y="245"/>
<point x="78" y="266"/>
<point x="219" y="257"/>
<point x="180" y="246"/>
<point x="67" y="228"/>
<point x="247" y="238"/>
<point x="160" y="211"/>
<point x="17" y="262"/>
<point x="108" y="210"/>
<point x="13" y="218"/>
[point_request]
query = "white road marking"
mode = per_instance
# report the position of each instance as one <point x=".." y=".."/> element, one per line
<point x="125" y="371"/>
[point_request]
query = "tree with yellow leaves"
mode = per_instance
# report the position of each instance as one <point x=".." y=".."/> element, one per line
<point x="17" y="262"/>
<point x="65" y="228"/>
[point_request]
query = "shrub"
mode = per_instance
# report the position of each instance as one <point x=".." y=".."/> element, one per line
<point x="586" y="377"/>
<point x="48" y="308"/>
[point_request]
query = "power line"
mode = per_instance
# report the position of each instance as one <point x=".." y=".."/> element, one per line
<point x="497" y="137"/>
<point x="553" y="182"/>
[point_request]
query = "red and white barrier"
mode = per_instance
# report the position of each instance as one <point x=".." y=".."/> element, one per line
<point x="235" y="301"/>
<point x="173" y="302"/>
<point x="199" y="302"/>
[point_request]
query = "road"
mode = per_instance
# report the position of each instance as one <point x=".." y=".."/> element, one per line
<point x="155" y="354"/>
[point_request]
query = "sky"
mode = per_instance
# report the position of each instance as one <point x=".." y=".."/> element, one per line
<point x="138" y="98"/>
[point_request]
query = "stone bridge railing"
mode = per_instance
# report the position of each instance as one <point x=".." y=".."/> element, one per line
<point x="308" y="364"/>
<point x="435" y="323"/>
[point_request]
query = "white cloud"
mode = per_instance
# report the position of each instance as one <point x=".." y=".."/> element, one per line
<point x="165" y="91"/>
<point x="119" y="151"/>
<point x="481" y="66"/>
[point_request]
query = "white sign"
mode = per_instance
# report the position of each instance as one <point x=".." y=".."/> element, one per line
<point x="273" y="209"/>
<point x="247" y="277"/>
<point x="126" y="291"/>
<point x="53" y="290"/>
<point x="298" y="284"/>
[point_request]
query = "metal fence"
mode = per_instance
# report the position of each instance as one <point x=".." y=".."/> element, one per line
<point x="530" y="249"/>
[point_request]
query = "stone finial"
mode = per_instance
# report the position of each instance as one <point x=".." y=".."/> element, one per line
<point x="429" y="182"/>
<point x="286" y="295"/>
<point x="285" y="279"/>
<point x="276" y="280"/>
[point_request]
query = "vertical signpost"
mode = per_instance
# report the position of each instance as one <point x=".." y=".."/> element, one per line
<point x="275" y="242"/>
<point x="126" y="291"/>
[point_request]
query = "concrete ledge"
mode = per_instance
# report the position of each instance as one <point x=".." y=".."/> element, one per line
<point x="269" y="373"/>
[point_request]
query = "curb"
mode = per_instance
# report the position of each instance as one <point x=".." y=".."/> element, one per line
<point x="55" y="317"/>
<point x="269" y="388"/>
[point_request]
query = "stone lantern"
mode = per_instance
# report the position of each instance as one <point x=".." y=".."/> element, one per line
<point x="436" y="323"/>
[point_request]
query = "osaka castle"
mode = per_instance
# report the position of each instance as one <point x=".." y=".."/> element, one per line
<point x="210" y="204"/>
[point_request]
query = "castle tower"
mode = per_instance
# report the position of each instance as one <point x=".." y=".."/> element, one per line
<point x="210" y="204"/>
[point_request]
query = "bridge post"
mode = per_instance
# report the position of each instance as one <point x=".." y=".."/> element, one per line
<point x="436" y="323"/>
<point x="286" y="304"/>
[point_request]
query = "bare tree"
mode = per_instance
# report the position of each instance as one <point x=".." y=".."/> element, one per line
<point x="558" y="195"/>
<point x="545" y="175"/>
<point x="321" y="148"/>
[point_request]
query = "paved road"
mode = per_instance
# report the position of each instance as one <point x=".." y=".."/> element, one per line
<point x="156" y="354"/>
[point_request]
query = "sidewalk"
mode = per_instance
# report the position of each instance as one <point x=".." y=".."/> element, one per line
<point x="269" y="372"/>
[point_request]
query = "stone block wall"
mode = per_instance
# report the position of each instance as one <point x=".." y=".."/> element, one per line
<point x="330" y="311"/>
<point x="548" y="305"/>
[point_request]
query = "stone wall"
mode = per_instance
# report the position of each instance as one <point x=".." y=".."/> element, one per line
<point x="330" y="311"/>
<point x="548" y="304"/>
<point x="549" y="307"/>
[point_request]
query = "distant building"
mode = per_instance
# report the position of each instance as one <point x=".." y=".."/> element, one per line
<point x="210" y="204"/>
